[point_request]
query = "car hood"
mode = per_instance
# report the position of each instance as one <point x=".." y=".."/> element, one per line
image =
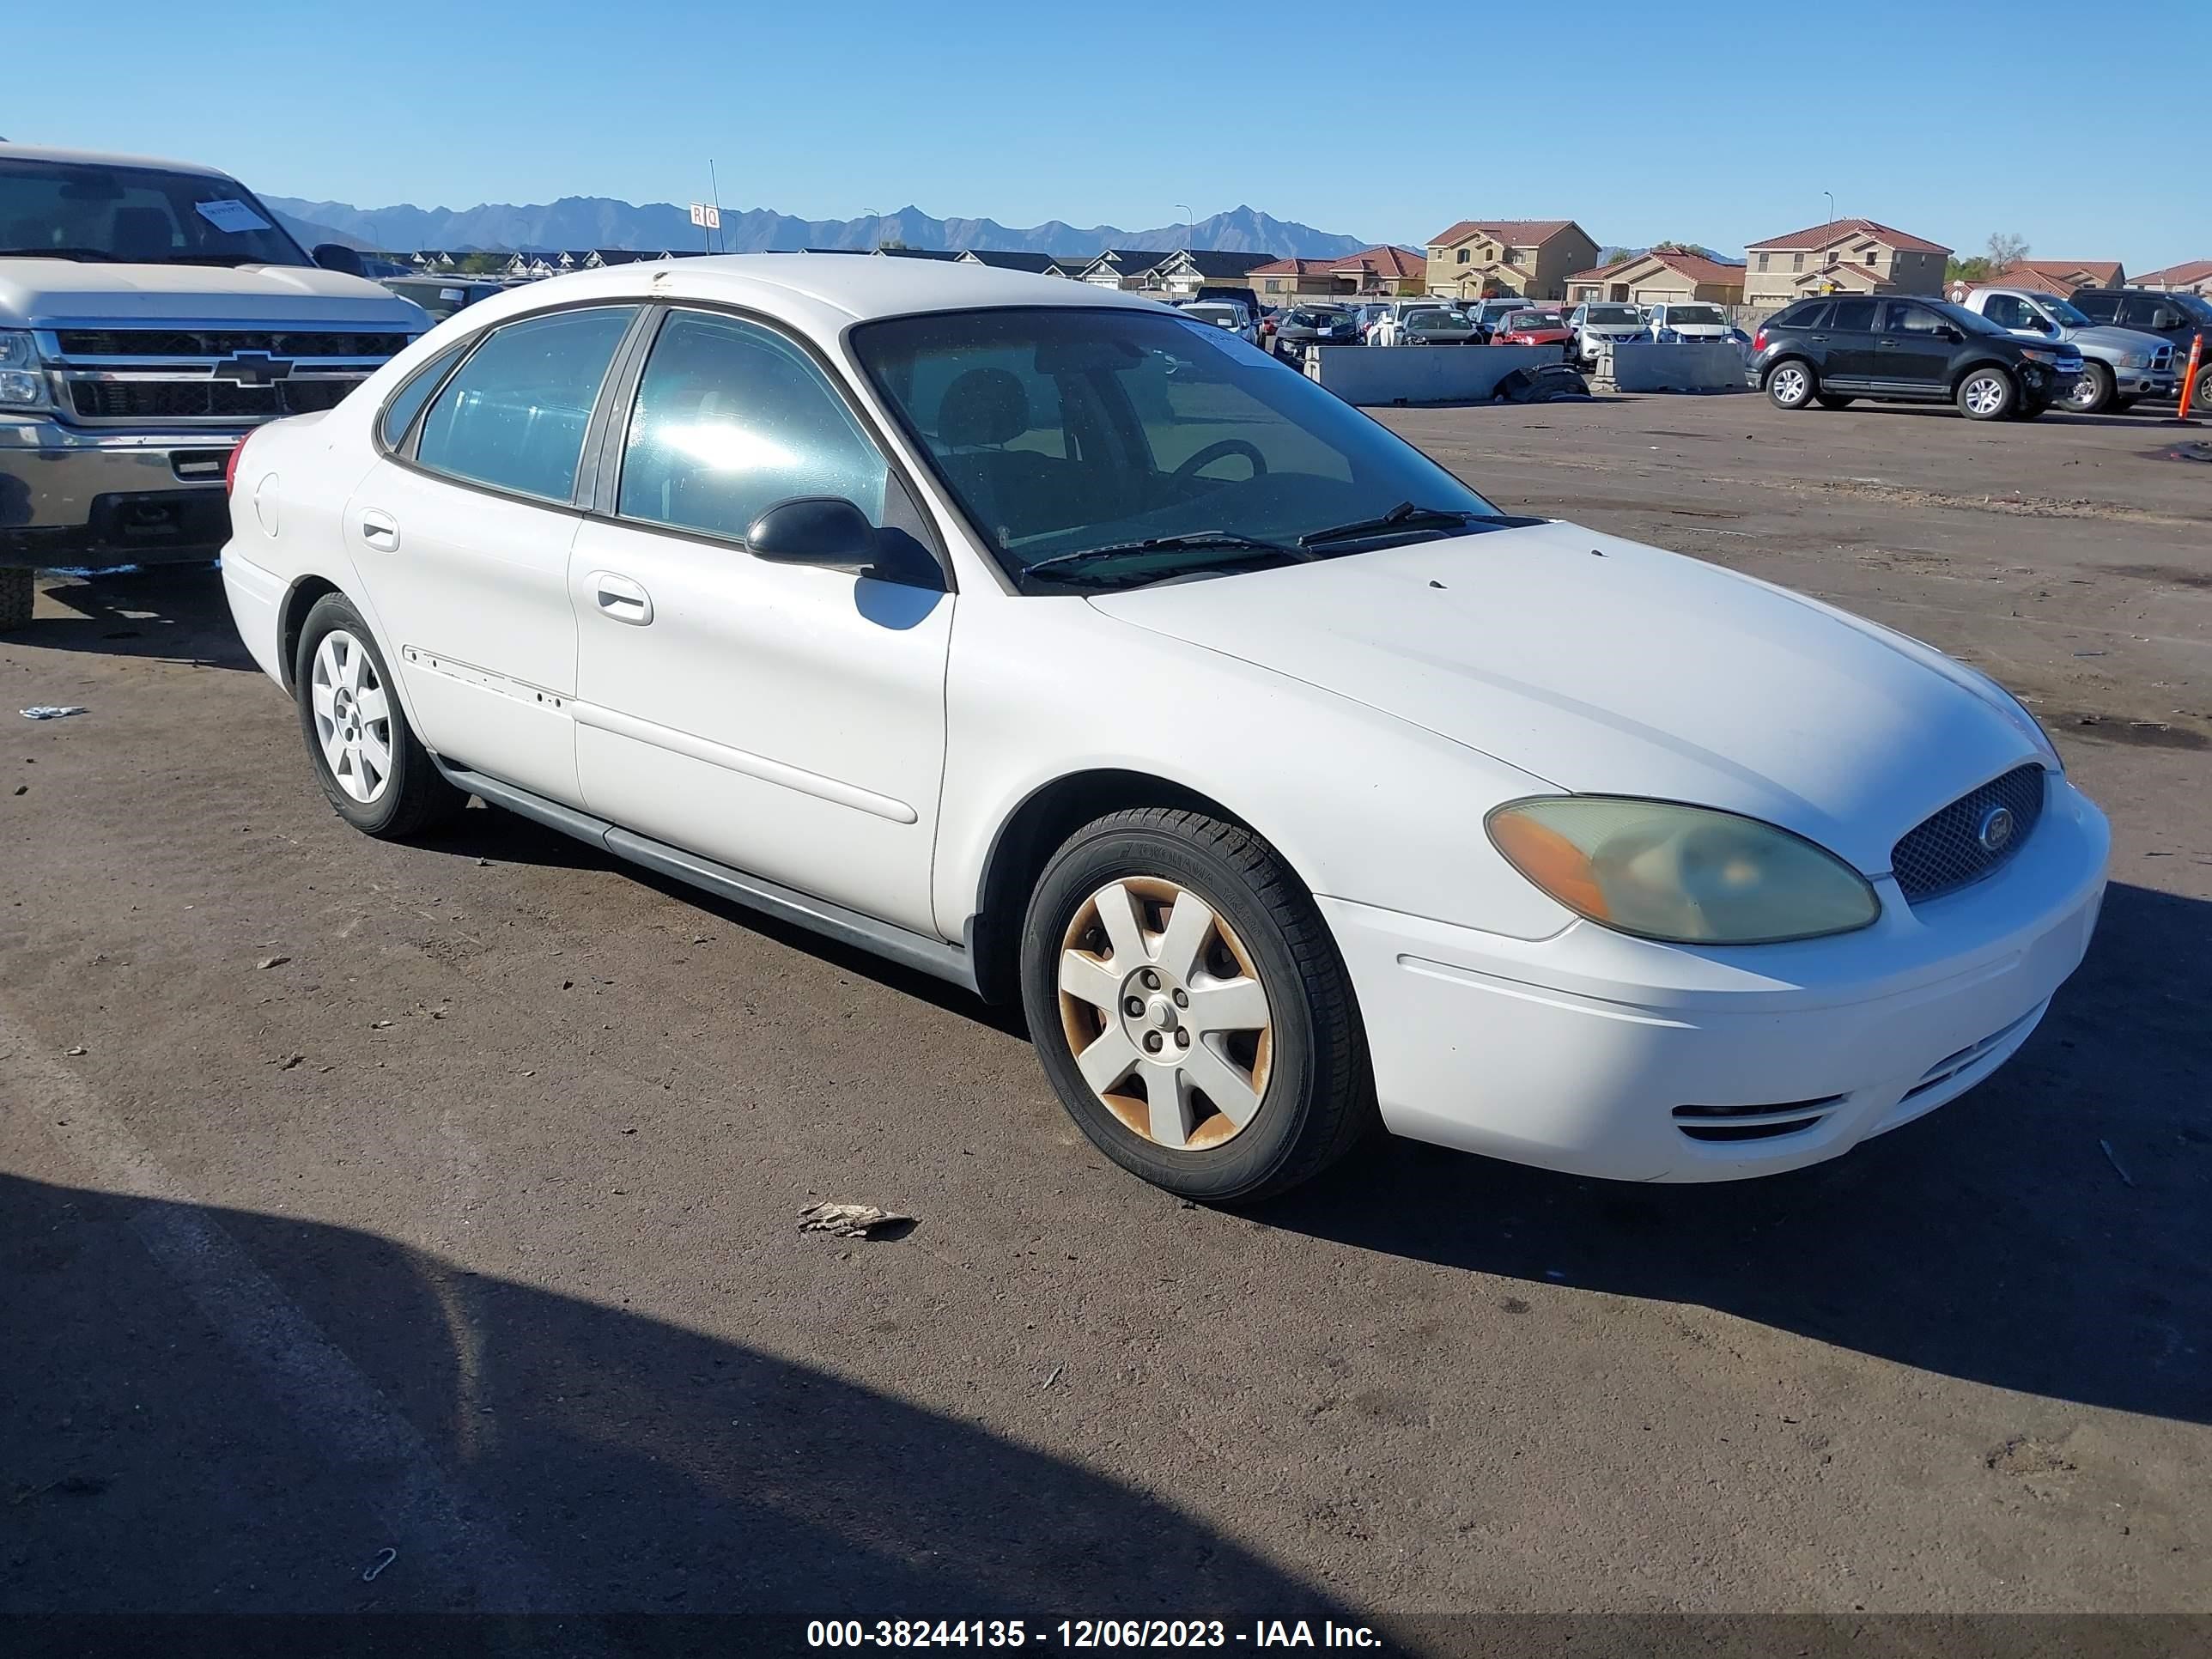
<point x="1604" y="667"/>
<point x="2105" y="338"/>
<point x="50" y="293"/>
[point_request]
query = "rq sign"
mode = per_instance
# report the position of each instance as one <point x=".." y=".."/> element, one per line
<point x="707" y="215"/>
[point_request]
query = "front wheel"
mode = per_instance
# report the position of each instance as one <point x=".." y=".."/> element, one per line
<point x="1987" y="394"/>
<point x="1791" y="384"/>
<point x="371" y="765"/>
<point x="2093" y="391"/>
<point x="1190" y="1008"/>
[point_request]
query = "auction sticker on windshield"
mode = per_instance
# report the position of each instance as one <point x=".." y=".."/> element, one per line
<point x="231" y="214"/>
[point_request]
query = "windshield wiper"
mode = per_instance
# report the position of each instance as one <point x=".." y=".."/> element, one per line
<point x="1404" y="516"/>
<point x="77" y="253"/>
<point x="1061" y="566"/>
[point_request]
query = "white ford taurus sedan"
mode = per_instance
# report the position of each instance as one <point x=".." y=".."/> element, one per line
<point x="1035" y="636"/>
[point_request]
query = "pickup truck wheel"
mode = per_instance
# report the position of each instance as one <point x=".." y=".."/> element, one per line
<point x="1790" y="385"/>
<point x="1190" y="1008"/>
<point x="2093" y="393"/>
<point x="1830" y="400"/>
<point x="378" y="776"/>
<point x="1987" y="394"/>
<point x="18" y="592"/>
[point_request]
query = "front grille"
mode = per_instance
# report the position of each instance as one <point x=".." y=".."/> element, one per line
<point x="1944" y="853"/>
<point x="222" y="342"/>
<point x="2162" y="358"/>
<point x="201" y="400"/>
<point x="1720" y="1123"/>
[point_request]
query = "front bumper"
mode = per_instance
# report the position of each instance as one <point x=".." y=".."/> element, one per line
<point x="1574" y="1052"/>
<point x="78" y="498"/>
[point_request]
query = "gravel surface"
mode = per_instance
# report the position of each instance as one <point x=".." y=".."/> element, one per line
<point x="443" y="1199"/>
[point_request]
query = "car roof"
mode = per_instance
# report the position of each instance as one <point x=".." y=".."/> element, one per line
<point x="821" y="291"/>
<point x="101" y="158"/>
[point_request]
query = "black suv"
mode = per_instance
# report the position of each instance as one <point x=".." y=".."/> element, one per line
<point x="2179" y="318"/>
<point x="1832" y="351"/>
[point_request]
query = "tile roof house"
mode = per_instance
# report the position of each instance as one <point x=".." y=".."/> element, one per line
<point x="1382" y="270"/>
<point x="1660" y="276"/>
<point x="2059" y="276"/>
<point x="2190" y="277"/>
<point x="1850" y="255"/>
<point x="1479" y="258"/>
<point x="1281" y="281"/>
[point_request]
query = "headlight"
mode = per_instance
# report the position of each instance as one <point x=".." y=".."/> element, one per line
<point x="2036" y="356"/>
<point x="1685" y="875"/>
<point x="23" y="385"/>
<point x="2135" y="359"/>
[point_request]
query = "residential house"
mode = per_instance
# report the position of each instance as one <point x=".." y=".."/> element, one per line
<point x="1286" y="282"/>
<point x="1182" y="273"/>
<point x="1477" y="258"/>
<point x="1382" y="270"/>
<point x="2058" y="277"/>
<point x="1844" y="256"/>
<point x="2190" y="277"/>
<point x="1660" y="276"/>
<point x="1124" y="267"/>
<point x="1042" y="264"/>
<point x="432" y="260"/>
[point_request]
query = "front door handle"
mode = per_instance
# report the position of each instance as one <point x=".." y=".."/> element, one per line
<point x="380" y="531"/>
<point x="621" y="599"/>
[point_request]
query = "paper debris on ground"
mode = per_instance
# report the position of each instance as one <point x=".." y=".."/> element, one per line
<point x="48" y="711"/>
<point x="850" y="1220"/>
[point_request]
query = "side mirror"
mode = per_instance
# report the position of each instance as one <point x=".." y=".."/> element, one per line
<point x="1952" y="332"/>
<point x="813" y="530"/>
<point x="337" y="256"/>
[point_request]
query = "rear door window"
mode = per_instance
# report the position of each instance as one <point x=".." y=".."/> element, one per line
<point x="514" y="415"/>
<point x="1812" y="314"/>
<point x="1854" y="317"/>
<point x="1902" y="317"/>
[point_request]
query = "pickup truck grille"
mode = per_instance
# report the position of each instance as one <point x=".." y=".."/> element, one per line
<point x="201" y="400"/>
<point x="215" y="376"/>
<point x="222" y="342"/>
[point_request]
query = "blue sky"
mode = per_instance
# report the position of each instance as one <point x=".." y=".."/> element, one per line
<point x="1946" y="118"/>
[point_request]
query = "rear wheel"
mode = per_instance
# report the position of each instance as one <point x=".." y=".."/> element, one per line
<point x="2093" y="391"/>
<point x="1790" y="383"/>
<point x="18" y="593"/>
<point x="1829" y="400"/>
<point x="377" y="774"/>
<point x="1987" y="394"/>
<point x="1190" y="1008"/>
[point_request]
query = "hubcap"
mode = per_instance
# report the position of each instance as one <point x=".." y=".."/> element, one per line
<point x="353" y="716"/>
<point x="1983" y="395"/>
<point x="1164" y="1014"/>
<point x="1791" y="384"/>
<point x="2088" y="390"/>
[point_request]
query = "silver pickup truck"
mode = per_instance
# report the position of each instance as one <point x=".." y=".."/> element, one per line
<point x="2119" y="365"/>
<point x="150" y="313"/>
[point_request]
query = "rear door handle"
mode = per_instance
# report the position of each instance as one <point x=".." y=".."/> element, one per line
<point x="621" y="599"/>
<point x="380" y="531"/>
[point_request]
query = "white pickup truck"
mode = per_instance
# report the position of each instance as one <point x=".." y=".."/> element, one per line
<point x="2118" y="365"/>
<point x="150" y="313"/>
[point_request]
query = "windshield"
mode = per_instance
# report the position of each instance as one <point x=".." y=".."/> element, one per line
<point x="1064" y="429"/>
<point x="136" y="215"/>
<point x="1219" y="316"/>
<point x="1614" y="315"/>
<point x="1432" y="317"/>
<point x="1695" y="316"/>
<point x="2068" y="315"/>
<point x="1973" y="321"/>
<point x="2196" y="304"/>
<point x="1526" y="320"/>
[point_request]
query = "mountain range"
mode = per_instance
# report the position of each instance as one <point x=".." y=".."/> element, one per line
<point x="581" y="221"/>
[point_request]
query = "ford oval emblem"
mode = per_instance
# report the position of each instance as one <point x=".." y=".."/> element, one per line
<point x="1994" y="831"/>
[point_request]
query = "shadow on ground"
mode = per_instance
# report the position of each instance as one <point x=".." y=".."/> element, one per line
<point x="169" y="613"/>
<point x="1993" y="1240"/>
<point x="638" y="1466"/>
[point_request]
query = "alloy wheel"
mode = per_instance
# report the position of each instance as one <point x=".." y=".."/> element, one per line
<point x="1985" y="394"/>
<point x="353" y="716"/>
<point x="1789" y="384"/>
<point x="1165" y="1014"/>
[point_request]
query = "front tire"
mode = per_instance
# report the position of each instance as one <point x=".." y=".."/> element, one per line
<point x="2093" y="393"/>
<point x="1791" y="384"/>
<point x="1987" y="394"/>
<point x="376" y="773"/>
<point x="1190" y="1008"/>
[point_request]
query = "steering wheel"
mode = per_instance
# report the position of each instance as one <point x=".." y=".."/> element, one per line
<point x="1214" y="452"/>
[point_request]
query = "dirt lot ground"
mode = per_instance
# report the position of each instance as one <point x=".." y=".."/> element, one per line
<point x="441" y="1199"/>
